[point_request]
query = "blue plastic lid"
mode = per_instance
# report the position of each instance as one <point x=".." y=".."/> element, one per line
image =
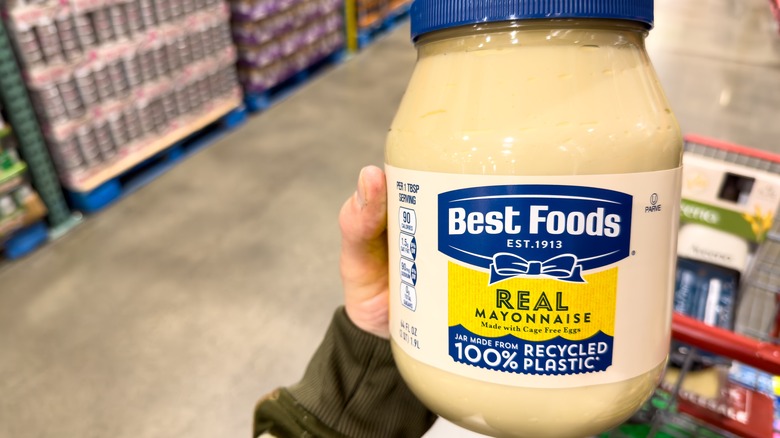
<point x="431" y="15"/>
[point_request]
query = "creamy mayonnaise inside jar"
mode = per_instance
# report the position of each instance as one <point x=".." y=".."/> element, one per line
<point x="533" y="191"/>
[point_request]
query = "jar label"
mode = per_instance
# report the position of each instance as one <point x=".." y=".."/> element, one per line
<point x="507" y="278"/>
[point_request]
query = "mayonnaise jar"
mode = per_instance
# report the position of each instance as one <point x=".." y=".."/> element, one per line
<point x="533" y="175"/>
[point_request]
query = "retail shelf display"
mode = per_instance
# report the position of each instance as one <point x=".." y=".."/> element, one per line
<point x="95" y="191"/>
<point x="12" y="177"/>
<point x="722" y="378"/>
<point x="115" y="82"/>
<point x="31" y="145"/>
<point x="129" y="156"/>
<point x="368" y="19"/>
<point x="281" y="43"/>
<point x="21" y="209"/>
<point x="260" y="101"/>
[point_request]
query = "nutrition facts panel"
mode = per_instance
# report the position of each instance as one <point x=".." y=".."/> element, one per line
<point x="407" y="218"/>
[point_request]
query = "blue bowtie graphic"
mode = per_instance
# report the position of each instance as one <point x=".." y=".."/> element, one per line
<point x="563" y="267"/>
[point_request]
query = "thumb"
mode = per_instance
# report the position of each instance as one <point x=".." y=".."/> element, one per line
<point x="363" y="217"/>
<point x="363" y="223"/>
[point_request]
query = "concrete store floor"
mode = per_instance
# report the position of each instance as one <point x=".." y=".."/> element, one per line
<point x="170" y="313"/>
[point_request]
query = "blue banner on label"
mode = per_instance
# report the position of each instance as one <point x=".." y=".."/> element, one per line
<point x="556" y="356"/>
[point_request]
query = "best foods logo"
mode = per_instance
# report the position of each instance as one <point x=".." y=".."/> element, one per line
<point x="535" y="230"/>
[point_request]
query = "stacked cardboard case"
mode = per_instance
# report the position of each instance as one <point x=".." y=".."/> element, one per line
<point x="278" y="38"/>
<point x="114" y="80"/>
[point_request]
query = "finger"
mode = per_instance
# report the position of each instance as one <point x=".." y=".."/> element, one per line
<point x="363" y="217"/>
<point x="363" y="222"/>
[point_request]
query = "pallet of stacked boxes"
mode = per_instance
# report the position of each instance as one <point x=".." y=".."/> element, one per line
<point x="117" y="83"/>
<point x="281" y="42"/>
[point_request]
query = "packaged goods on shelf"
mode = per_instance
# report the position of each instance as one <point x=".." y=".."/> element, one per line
<point x="111" y="78"/>
<point x="19" y="208"/>
<point x="20" y="205"/>
<point x="278" y="38"/>
<point x="11" y="169"/>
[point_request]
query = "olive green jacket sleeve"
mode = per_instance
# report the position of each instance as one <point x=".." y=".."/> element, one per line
<point x="351" y="388"/>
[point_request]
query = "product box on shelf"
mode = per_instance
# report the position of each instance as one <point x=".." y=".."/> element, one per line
<point x="278" y="38"/>
<point x="11" y="170"/>
<point x="19" y="208"/>
<point x="20" y="205"/>
<point x="115" y="81"/>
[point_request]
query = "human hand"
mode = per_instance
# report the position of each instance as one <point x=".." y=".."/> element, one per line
<point x="363" y="222"/>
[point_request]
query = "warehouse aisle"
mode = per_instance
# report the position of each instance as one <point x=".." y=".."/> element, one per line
<point x="170" y="313"/>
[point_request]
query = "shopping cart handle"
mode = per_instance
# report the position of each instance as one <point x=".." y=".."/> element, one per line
<point x="762" y="355"/>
